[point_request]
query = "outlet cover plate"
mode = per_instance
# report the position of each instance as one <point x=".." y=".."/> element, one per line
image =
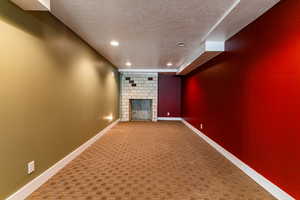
<point x="30" y="167"/>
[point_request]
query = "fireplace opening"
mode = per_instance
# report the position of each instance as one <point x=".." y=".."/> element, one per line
<point x="140" y="109"/>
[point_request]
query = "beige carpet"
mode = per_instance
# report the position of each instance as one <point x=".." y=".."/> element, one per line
<point x="151" y="161"/>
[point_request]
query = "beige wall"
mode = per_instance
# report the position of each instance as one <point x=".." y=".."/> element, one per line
<point x="54" y="93"/>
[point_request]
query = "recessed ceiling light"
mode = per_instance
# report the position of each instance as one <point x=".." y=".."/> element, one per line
<point x="169" y="64"/>
<point x="180" y="44"/>
<point x="114" y="43"/>
<point x="128" y="64"/>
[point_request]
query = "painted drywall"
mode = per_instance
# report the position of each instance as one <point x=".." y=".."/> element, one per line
<point x="55" y="92"/>
<point x="169" y="96"/>
<point x="248" y="98"/>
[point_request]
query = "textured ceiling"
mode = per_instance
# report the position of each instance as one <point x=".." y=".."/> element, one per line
<point x="241" y="15"/>
<point x="147" y="30"/>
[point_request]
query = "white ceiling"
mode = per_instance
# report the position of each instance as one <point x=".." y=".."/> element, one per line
<point x="149" y="30"/>
<point x="38" y="5"/>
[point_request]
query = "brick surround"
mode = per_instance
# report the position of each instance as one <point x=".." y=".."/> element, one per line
<point x="138" y="86"/>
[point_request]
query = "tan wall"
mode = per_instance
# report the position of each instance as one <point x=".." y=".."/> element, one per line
<point x="54" y="93"/>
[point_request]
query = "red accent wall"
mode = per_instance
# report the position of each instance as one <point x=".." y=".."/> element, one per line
<point x="169" y="96"/>
<point x="249" y="97"/>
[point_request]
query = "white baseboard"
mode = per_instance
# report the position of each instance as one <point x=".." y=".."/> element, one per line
<point x="169" y="118"/>
<point x="30" y="187"/>
<point x="258" y="178"/>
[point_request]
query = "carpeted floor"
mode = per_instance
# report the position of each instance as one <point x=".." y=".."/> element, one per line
<point x="151" y="161"/>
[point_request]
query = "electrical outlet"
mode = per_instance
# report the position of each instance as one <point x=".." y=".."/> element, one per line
<point x="201" y="126"/>
<point x="30" y="167"/>
<point x="168" y="114"/>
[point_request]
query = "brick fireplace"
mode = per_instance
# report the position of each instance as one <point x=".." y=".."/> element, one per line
<point x="138" y="86"/>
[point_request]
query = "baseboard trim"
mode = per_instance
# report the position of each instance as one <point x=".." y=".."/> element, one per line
<point x="258" y="178"/>
<point x="169" y="118"/>
<point x="30" y="187"/>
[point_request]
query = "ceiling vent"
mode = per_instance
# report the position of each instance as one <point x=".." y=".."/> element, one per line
<point x="180" y="44"/>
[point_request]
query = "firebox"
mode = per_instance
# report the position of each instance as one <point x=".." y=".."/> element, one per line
<point x="140" y="109"/>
